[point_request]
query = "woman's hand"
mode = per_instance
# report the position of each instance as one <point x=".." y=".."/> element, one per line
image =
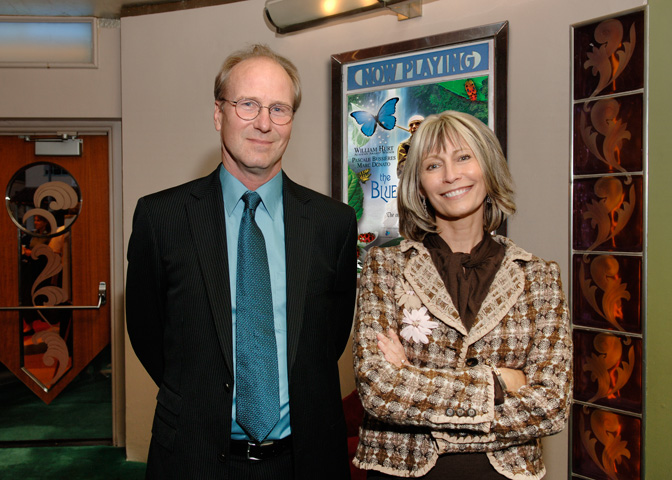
<point x="392" y="348"/>
<point x="514" y="379"/>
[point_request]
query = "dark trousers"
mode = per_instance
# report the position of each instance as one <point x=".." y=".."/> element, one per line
<point x="276" y="468"/>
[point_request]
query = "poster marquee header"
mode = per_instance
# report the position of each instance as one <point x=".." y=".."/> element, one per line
<point x="436" y="64"/>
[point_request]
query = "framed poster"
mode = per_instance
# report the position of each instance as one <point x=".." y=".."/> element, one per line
<point x="380" y="94"/>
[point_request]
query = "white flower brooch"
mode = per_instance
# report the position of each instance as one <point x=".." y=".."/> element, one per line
<point x="418" y="325"/>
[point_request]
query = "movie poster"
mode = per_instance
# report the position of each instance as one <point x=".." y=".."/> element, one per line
<point x="384" y="100"/>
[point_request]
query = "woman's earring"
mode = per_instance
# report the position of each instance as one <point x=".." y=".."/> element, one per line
<point x="488" y="199"/>
<point x="424" y="206"/>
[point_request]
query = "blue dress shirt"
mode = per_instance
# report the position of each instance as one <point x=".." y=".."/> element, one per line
<point x="270" y="218"/>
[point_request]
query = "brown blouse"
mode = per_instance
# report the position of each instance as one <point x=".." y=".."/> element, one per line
<point x="467" y="277"/>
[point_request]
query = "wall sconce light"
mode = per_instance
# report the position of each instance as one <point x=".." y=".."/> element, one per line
<point x="292" y="15"/>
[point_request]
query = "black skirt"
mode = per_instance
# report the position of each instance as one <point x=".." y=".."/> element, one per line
<point x="462" y="466"/>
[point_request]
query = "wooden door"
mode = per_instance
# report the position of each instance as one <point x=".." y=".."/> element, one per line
<point x="62" y="264"/>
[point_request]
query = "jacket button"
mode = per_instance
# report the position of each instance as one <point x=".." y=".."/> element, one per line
<point x="471" y="412"/>
<point x="450" y="412"/>
<point x="460" y="412"/>
<point x="472" y="362"/>
<point x="221" y="457"/>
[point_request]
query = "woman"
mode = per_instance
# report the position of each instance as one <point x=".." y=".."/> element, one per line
<point x="462" y="343"/>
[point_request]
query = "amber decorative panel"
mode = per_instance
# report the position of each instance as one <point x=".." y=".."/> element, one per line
<point x="609" y="171"/>
<point x="608" y="135"/>
<point x="608" y="371"/>
<point x="607" y="214"/>
<point x="606" y="445"/>
<point x="609" y="56"/>
<point x="607" y="292"/>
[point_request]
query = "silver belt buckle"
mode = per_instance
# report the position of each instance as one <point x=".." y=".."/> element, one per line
<point x="249" y="445"/>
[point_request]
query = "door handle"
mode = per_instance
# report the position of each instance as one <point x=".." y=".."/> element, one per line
<point x="102" y="299"/>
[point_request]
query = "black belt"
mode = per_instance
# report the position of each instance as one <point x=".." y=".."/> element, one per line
<point x="260" y="451"/>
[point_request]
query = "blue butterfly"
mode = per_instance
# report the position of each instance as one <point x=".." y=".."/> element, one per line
<point x="385" y="117"/>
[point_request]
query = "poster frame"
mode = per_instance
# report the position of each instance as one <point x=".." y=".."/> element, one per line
<point x="497" y="32"/>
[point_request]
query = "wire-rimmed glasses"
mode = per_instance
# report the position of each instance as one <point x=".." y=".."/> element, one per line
<point x="248" y="109"/>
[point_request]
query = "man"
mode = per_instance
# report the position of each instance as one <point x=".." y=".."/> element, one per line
<point x="195" y="298"/>
<point x="402" y="150"/>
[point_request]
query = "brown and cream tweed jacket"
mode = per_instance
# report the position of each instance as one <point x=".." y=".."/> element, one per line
<point x="442" y="401"/>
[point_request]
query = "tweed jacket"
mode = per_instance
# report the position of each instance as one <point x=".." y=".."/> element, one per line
<point x="442" y="400"/>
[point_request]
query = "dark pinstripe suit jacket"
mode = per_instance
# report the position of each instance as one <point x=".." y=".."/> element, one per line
<point x="178" y="308"/>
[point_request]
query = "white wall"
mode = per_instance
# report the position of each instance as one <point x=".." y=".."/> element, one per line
<point x="51" y="93"/>
<point x="168" y="66"/>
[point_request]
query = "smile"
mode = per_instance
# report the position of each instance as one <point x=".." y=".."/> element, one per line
<point x="455" y="193"/>
<point x="260" y="142"/>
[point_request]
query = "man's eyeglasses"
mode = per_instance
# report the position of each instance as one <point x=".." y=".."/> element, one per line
<point x="247" y="109"/>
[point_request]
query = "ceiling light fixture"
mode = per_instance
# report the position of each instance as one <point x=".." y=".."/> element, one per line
<point x="293" y="15"/>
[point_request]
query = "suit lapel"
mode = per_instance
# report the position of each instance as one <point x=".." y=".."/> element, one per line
<point x="503" y="294"/>
<point x="504" y="291"/>
<point x="421" y="274"/>
<point x="299" y="237"/>
<point x="206" y="220"/>
<point x="506" y="288"/>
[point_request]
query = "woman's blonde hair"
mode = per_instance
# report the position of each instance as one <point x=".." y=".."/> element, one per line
<point x="436" y="131"/>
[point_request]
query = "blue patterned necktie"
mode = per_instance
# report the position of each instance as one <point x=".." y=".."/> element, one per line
<point x="257" y="394"/>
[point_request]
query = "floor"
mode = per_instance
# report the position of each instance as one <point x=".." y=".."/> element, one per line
<point x="68" y="463"/>
<point x="36" y="439"/>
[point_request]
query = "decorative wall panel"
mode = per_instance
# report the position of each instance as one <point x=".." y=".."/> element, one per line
<point x="606" y="445"/>
<point x="608" y="244"/>
<point x="609" y="56"/>
<point x="607" y="214"/>
<point x="609" y="370"/>
<point x="607" y="292"/>
<point x="608" y="135"/>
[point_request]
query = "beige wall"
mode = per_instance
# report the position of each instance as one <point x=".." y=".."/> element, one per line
<point x="156" y="73"/>
<point x="169" y="62"/>
<point x="50" y="93"/>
